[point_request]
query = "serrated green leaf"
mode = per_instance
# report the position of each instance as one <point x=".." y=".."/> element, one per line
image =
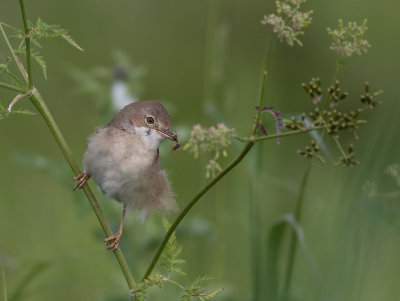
<point x="213" y="293"/>
<point x="185" y="297"/>
<point x="66" y="36"/>
<point x="41" y="62"/>
<point x="179" y="271"/>
<point x="4" y="112"/>
<point x="36" y="42"/>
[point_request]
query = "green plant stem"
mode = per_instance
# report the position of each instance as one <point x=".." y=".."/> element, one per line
<point x="293" y="237"/>
<point x="286" y="134"/>
<point x="185" y="211"/>
<point x="44" y="111"/>
<point x="177" y="284"/>
<point x="339" y="146"/>
<point x="27" y="44"/>
<point x="267" y="64"/>
<point x="16" y="60"/>
<point x="12" y="88"/>
<point x="221" y="174"/>
<point x="39" y="103"/>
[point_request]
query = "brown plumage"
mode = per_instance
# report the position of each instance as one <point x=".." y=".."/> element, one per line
<point x="123" y="160"/>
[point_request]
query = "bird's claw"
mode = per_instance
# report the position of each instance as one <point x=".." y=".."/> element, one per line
<point x="112" y="241"/>
<point x="82" y="178"/>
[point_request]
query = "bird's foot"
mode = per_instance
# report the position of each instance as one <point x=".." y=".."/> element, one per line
<point x="82" y="178"/>
<point x="113" y="241"/>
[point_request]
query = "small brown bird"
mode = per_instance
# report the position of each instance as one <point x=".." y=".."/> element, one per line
<point x="123" y="159"/>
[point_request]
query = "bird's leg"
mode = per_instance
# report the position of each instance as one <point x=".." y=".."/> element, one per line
<point x="82" y="178"/>
<point x="113" y="240"/>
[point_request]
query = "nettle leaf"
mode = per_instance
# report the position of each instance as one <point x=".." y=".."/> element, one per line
<point x="66" y="36"/>
<point x="40" y="61"/>
<point x="170" y="258"/>
<point x="4" y="113"/>
<point x="44" y="30"/>
<point x="195" y="289"/>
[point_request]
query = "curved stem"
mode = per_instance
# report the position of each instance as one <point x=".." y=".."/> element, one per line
<point x="44" y="111"/>
<point x="27" y="44"/>
<point x="210" y="184"/>
<point x="185" y="211"/>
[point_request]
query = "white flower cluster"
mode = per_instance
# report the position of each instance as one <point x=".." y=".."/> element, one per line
<point x="349" y="39"/>
<point x="289" y="21"/>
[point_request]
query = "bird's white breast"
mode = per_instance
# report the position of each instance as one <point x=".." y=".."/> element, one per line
<point x="126" y="168"/>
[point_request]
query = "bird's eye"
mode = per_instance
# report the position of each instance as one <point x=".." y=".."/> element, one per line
<point x="149" y="120"/>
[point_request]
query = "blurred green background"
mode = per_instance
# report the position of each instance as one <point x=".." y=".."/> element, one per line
<point x="203" y="59"/>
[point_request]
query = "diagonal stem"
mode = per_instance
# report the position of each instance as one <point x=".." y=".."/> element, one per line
<point x="209" y="185"/>
<point x="44" y="111"/>
<point x="197" y="197"/>
<point x="14" y="56"/>
<point x="12" y="88"/>
<point x="250" y="143"/>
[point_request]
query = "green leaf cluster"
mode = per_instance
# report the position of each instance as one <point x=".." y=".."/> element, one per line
<point x="168" y="263"/>
<point x="195" y="289"/>
<point x="4" y="113"/>
<point x="213" y="140"/>
<point x="37" y="31"/>
<point x="170" y="260"/>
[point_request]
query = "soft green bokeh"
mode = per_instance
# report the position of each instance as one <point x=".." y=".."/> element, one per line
<point x="204" y="59"/>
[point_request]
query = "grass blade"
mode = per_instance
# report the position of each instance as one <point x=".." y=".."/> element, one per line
<point x="274" y="244"/>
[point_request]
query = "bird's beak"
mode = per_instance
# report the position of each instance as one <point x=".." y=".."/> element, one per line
<point x="168" y="134"/>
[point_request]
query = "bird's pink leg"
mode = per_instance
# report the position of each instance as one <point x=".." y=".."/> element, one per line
<point x="113" y="240"/>
<point x="82" y="178"/>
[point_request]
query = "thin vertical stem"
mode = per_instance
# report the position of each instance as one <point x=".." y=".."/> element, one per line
<point x="12" y="88"/>
<point x="267" y="64"/>
<point x="27" y="44"/>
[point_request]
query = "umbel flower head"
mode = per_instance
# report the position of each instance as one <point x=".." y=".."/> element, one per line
<point x="214" y="140"/>
<point x="348" y="40"/>
<point x="289" y="21"/>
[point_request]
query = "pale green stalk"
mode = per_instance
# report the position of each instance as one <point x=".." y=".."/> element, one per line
<point x="12" y="88"/>
<point x="15" y="58"/>
<point x="27" y="44"/>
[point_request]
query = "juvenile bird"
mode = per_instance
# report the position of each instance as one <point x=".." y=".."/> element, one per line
<point x="124" y="161"/>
